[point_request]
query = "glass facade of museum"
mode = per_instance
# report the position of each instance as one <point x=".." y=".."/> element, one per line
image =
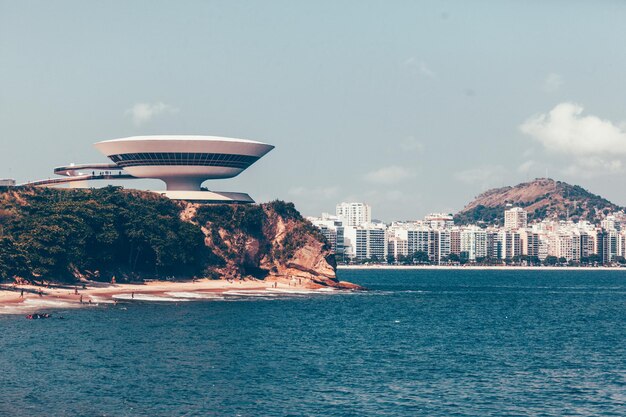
<point x="180" y="158"/>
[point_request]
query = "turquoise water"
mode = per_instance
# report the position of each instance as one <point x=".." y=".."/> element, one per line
<point x="435" y="343"/>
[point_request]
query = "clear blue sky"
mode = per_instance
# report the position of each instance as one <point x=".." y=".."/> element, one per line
<point x="411" y="106"/>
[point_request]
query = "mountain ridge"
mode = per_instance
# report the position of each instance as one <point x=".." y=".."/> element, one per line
<point x="541" y="198"/>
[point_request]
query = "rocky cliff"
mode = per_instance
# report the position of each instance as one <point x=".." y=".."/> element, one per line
<point x="541" y="198"/>
<point x="268" y="241"/>
<point x="101" y="234"/>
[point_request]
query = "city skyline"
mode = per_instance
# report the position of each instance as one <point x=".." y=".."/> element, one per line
<point x="414" y="108"/>
<point x="355" y="237"/>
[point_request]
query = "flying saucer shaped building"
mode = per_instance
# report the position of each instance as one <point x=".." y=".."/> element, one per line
<point x="182" y="162"/>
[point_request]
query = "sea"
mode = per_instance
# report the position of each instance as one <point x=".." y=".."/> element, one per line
<point x="416" y="343"/>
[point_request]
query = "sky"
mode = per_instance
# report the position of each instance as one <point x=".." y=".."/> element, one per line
<point x="411" y="106"/>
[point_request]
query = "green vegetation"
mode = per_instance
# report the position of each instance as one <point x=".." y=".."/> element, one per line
<point x="103" y="233"/>
<point x="100" y="234"/>
<point x="481" y="214"/>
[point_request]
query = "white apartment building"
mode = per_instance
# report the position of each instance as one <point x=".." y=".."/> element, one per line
<point x="439" y="220"/>
<point x="332" y="228"/>
<point x="473" y="243"/>
<point x="367" y="241"/>
<point x="515" y="218"/>
<point x="354" y="214"/>
<point x="510" y="244"/>
<point x="406" y="239"/>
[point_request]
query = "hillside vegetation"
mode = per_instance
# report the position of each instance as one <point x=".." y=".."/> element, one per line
<point x="100" y="234"/>
<point x="541" y="198"/>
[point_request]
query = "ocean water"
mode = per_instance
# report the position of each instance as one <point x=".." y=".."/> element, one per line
<point x="432" y="343"/>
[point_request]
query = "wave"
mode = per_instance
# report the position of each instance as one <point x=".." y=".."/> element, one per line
<point x="195" y="295"/>
<point x="30" y="305"/>
<point x="147" y="297"/>
<point x="249" y="293"/>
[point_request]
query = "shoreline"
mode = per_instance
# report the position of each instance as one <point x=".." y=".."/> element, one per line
<point x="96" y="293"/>
<point x="481" y="267"/>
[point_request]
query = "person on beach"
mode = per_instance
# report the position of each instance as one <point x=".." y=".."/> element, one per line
<point x="40" y="293"/>
<point x="81" y="299"/>
<point x="22" y="293"/>
<point x="132" y="295"/>
<point x="75" y="290"/>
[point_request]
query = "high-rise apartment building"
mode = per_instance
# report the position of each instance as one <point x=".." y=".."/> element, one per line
<point x="473" y="243"/>
<point x="515" y="218"/>
<point x="354" y="214"/>
<point x="367" y="241"/>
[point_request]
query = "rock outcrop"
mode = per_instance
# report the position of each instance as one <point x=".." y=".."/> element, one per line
<point x="270" y="241"/>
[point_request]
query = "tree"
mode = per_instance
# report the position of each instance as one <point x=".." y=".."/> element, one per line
<point x="551" y="260"/>
<point x="594" y="259"/>
<point x="421" y="257"/>
<point x="453" y="258"/>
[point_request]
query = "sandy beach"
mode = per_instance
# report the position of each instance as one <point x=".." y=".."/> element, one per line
<point x="25" y="299"/>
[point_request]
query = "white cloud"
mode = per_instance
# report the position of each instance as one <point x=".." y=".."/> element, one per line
<point x="552" y="82"/>
<point x="411" y="144"/>
<point x="144" y="112"/>
<point x="389" y="175"/>
<point x="565" y="130"/>
<point x="595" y="145"/>
<point x="592" y="167"/>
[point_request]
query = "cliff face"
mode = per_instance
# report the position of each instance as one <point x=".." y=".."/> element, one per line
<point x="541" y="198"/>
<point x="101" y="234"/>
<point x="268" y="241"/>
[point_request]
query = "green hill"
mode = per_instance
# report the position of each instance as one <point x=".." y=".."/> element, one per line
<point x="541" y="198"/>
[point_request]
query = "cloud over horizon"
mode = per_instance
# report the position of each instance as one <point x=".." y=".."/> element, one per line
<point x="389" y="175"/>
<point x="142" y="113"/>
<point x="596" y="145"/>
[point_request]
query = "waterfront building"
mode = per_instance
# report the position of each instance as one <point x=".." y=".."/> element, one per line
<point x="7" y="182"/>
<point x="530" y="242"/>
<point x="455" y="241"/>
<point x="610" y="245"/>
<point x="397" y="247"/>
<point x="511" y="244"/>
<point x="473" y="243"/>
<point x="441" y="246"/>
<point x="494" y="245"/>
<point x="367" y="241"/>
<point x="354" y="214"/>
